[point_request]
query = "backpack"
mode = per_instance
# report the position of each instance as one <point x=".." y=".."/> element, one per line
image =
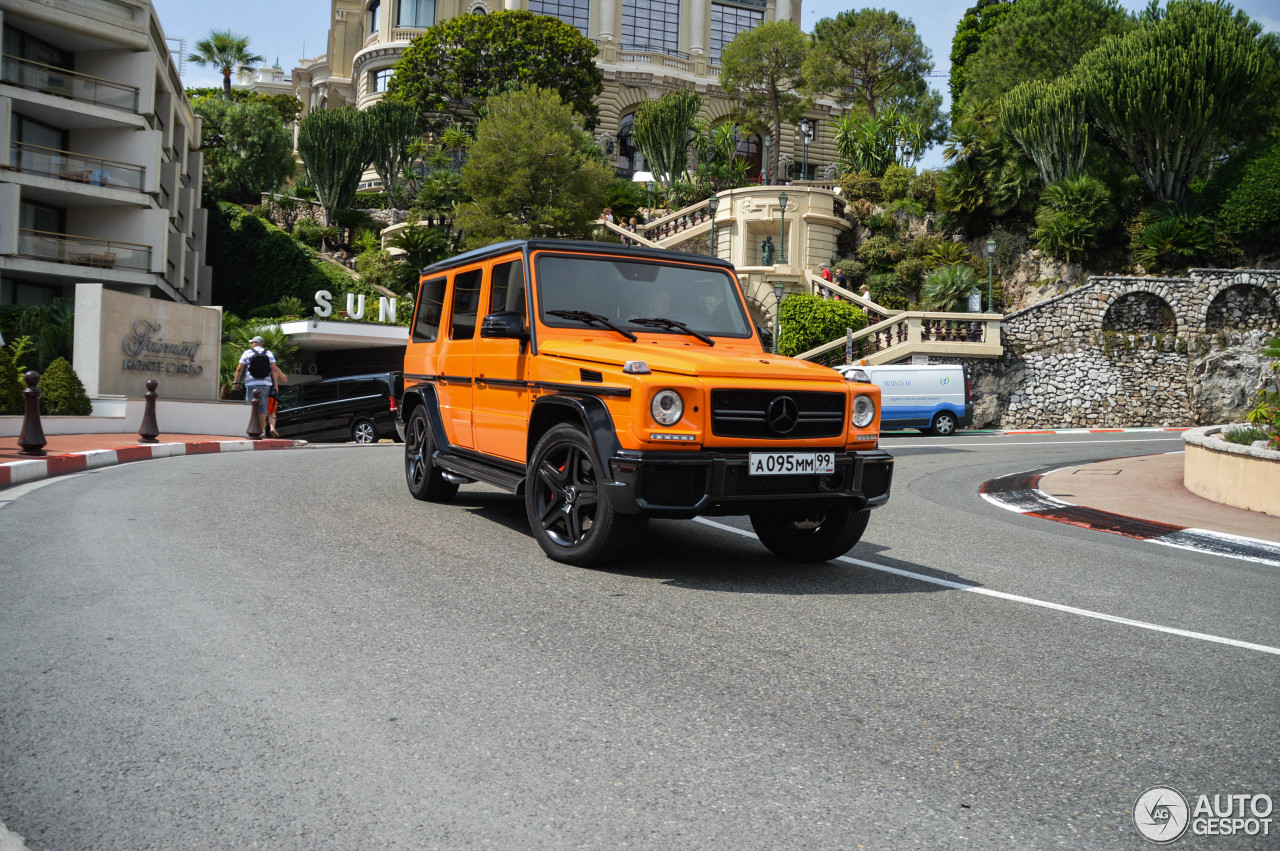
<point x="260" y="365"/>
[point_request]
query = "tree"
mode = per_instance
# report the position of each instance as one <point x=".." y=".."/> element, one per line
<point x="225" y="51"/>
<point x="763" y="70"/>
<point x="1038" y="40"/>
<point x="870" y="58"/>
<point x="1048" y="121"/>
<point x="1164" y="92"/>
<point x="334" y="146"/>
<point x="393" y="127"/>
<point x="970" y="33"/>
<point x="288" y="106"/>
<point x="531" y="172"/>
<point x="452" y="67"/>
<point x="247" y="150"/>
<point x="663" y="130"/>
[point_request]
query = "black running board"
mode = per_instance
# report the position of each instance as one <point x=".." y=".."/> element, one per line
<point x="480" y="471"/>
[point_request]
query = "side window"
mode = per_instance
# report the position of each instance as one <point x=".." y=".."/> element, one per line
<point x="288" y="398"/>
<point x="466" y="304"/>
<point x="318" y="392"/>
<point x="507" y="291"/>
<point x="360" y="387"/>
<point x="426" y="325"/>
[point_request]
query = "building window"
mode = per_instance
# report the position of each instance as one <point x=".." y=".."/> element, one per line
<point x="417" y="14"/>
<point x="651" y="25"/>
<point x="23" y="46"/>
<point x="373" y="18"/>
<point x="575" y="13"/>
<point x="727" y="22"/>
<point x="378" y="79"/>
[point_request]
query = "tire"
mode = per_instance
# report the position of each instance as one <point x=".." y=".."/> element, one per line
<point x="944" y="424"/>
<point x="571" y="515"/>
<point x="424" y="478"/>
<point x="812" y="537"/>
<point x="364" y="431"/>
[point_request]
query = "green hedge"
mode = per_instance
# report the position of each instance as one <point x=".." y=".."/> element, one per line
<point x="62" y="393"/>
<point x="809" y="321"/>
<point x="255" y="263"/>
<point x="1247" y="196"/>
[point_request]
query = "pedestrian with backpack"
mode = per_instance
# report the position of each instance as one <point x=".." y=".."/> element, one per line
<point x="258" y="367"/>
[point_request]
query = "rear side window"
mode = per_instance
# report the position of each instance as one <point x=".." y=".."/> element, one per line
<point x="361" y="387"/>
<point x="466" y="304"/>
<point x="320" y="391"/>
<point x="430" y="310"/>
<point x="507" y="292"/>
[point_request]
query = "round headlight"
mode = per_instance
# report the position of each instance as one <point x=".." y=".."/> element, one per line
<point x="667" y="407"/>
<point x="864" y="411"/>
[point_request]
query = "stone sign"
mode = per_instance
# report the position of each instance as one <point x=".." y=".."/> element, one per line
<point x="122" y="340"/>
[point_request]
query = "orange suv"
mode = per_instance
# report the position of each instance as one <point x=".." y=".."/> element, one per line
<point x="607" y="384"/>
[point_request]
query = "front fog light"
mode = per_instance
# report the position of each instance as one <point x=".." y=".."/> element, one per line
<point x="864" y="411"/>
<point x="667" y="407"/>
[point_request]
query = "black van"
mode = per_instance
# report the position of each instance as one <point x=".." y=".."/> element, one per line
<point x="354" y="407"/>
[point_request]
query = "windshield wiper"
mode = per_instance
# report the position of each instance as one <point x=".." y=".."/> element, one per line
<point x="584" y="316"/>
<point x="662" y="322"/>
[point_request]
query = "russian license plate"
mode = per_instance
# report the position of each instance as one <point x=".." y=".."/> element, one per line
<point x="790" y="463"/>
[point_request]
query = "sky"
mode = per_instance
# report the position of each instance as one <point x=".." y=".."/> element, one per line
<point x="290" y="30"/>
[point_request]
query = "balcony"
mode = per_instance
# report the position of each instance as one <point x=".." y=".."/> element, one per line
<point x="83" y="251"/>
<point x="77" y="168"/>
<point x="38" y="77"/>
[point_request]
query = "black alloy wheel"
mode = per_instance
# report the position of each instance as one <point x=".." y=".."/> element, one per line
<point x="813" y="536"/>
<point x="425" y="479"/>
<point x="570" y="514"/>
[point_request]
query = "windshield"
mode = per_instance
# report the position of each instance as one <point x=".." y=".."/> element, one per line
<point x="702" y="298"/>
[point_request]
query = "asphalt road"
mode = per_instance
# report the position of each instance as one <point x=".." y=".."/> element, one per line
<point x="284" y="650"/>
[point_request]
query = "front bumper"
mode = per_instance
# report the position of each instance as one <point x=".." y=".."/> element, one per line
<point x="692" y="484"/>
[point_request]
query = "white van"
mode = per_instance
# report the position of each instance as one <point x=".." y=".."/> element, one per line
<point x="930" y="398"/>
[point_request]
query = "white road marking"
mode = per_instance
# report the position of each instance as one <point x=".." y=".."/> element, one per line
<point x="890" y="445"/>
<point x="1029" y="601"/>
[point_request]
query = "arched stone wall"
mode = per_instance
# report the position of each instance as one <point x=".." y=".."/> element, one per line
<point x="1242" y="307"/>
<point x="1140" y="312"/>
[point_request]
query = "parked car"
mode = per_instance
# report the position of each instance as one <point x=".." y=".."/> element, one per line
<point x="608" y="384"/>
<point x="932" y="398"/>
<point x="354" y="407"/>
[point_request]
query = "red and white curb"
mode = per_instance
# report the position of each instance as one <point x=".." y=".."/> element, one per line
<point x="1019" y="493"/>
<point x="20" y="472"/>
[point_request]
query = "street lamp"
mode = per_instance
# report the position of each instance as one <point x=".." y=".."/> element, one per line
<point x="782" y="209"/>
<point x="712" y="203"/>
<point x="991" y="269"/>
<point x="806" y="136"/>
<point x="764" y="166"/>
<point x="777" y="313"/>
<point x="646" y="177"/>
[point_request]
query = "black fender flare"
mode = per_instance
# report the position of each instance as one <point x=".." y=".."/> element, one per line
<point x="424" y="395"/>
<point x="588" y="411"/>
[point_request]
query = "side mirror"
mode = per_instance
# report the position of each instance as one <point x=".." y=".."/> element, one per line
<point x="505" y="325"/>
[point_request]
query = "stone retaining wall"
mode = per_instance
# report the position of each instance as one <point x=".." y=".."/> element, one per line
<point x="1133" y="352"/>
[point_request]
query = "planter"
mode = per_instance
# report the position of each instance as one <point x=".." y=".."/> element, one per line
<point x="1239" y="476"/>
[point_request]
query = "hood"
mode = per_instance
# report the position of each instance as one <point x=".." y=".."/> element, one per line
<point x="699" y="361"/>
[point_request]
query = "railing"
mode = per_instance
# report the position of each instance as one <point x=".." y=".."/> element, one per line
<point x="83" y="250"/>
<point x="678" y="222"/>
<point x="828" y="289"/>
<point x="39" y="77"/>
<point x="957" y="334"/>
<point x="77" y="168"/>
<point x="406" y="34"/>
<point x="655" y="57"/>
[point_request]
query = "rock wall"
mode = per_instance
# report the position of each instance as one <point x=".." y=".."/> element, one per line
<point x="1121" y="352"/>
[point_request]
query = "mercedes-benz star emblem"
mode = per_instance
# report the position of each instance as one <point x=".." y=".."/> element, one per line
<point x="782" y="414"/>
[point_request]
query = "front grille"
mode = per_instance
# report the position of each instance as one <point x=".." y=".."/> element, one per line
<point x="675" y="484"/>
<point x="738" y="482"/>
<point x="776" y="415"/>
<point x="875" y="480"/>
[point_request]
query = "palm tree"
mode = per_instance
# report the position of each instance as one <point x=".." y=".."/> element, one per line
<point x="225" y="51"/>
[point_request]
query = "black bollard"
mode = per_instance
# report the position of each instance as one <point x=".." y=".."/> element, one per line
<point x="31" y="439"/>
<point x="149" y="431"/>
<point x="255" y="426"/>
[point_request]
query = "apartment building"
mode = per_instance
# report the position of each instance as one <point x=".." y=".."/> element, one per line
<point x="102" y="176"/>
<point x="647" y="47"/>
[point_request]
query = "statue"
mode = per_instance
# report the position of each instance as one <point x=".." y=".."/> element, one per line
<point x="766" y="251"/>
